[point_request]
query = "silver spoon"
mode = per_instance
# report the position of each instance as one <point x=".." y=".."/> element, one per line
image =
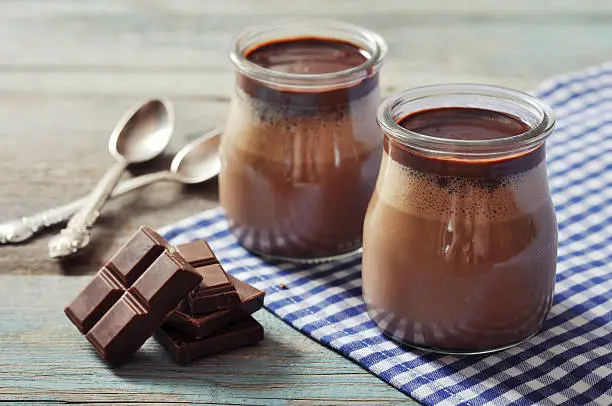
<point x="196" y="162"/>
<point x="141" y="135"/>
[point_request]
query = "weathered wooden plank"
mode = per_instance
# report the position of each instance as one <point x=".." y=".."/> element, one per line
<point x="44" y="358"/>
<point x="36" y="8"/>
<point x="111" y="65"/>
<point x="180" y="50"/>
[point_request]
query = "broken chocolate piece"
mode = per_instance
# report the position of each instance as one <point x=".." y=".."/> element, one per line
<point x="184" y="348"/>
<point x="215" y="292"/>
<point x="197" y="253"/>
<point x="202" y="325"/>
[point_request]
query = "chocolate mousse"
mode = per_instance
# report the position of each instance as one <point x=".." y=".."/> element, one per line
<point x="300" y="161"/>
<point x="460" y="254"/>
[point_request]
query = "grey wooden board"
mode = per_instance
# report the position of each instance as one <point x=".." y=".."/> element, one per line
<point x="44" y="358"/>
<point x="68" y="71"/>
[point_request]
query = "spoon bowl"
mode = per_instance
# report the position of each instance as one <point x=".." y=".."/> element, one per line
<point x="143" y="132"/>
<point x="199" y="160"/>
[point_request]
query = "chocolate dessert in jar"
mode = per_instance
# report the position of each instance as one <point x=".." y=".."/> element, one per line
<point x="460" y="237"/>
<point x="301" y="148"/>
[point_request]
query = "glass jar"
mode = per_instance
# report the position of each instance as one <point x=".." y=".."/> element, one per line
<point x="460" y="237"/>
<point x="301" y="148"/>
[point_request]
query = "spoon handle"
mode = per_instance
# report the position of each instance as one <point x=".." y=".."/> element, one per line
<point x="76" y="235"/>
<point x="19" y="230"/>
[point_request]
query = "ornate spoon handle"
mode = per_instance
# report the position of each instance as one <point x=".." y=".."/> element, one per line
<point x="76" y="235"/>
<point x="19" y="230"/>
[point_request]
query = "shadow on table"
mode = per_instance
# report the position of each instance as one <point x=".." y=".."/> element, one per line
<point x="152" y="363"/>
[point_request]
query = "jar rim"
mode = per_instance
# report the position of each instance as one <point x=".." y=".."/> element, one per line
<point x="534" y="136"/>
<point x="375" y="46"/>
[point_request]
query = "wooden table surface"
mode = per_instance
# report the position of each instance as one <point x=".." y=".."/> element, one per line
<point x="68" y="71"/>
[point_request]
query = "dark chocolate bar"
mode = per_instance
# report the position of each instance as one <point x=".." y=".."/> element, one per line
<point x="184" y="348"/>
<point x="202" y="325"/>
<point x="215" y="292"/>
<point x="132" y="295"/>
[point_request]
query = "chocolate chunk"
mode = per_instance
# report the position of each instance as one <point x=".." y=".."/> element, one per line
<point x="143" y="308"/>
<point x="202" y="325"/>
<point x="115" y="278"/>
<point x="137" y="254"/>
<point x="215" y="292"/>
<point x="251" y="298"/>
<point x="118" y="318"/>
<point x="95" y="300"/>
<point x="197" y="253"/>
<point x="184" y="348"/>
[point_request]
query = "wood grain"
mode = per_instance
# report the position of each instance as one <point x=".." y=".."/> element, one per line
<point x="68" y="71"/>
<point x="44" y="358"/>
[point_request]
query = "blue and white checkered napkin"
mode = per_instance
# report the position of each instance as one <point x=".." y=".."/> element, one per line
<point x="570" y="362"/>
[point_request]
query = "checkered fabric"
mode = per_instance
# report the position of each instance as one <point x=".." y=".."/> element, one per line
<point x="569" y="362"/>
